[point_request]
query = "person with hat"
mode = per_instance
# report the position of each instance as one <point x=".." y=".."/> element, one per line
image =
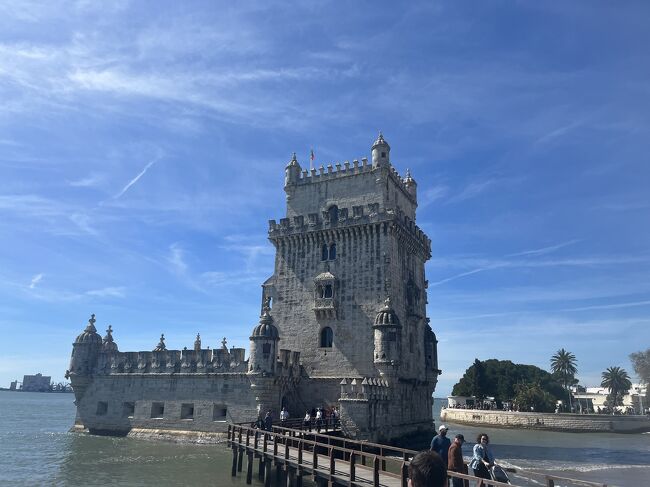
<point x="440" y="443"/>
<point x="455" y="462"/>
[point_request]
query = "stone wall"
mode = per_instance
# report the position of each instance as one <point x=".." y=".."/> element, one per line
<point x="187" y="402"/>
<point x="551" y="422"/>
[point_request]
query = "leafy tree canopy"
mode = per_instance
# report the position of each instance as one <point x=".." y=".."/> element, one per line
<point x="641" y="363"/>
<point x="498" y="378"/>
<point x="531" y="397"/>
<point x="618" y="382"/>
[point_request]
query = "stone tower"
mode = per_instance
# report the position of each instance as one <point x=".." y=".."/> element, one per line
<point x="349" y="292"/>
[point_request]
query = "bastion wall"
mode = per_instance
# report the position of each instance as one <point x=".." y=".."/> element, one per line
<point x="551" y="421"/>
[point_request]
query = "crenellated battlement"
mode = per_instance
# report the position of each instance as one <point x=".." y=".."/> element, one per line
<point x="349" y="217"/>
<point x="337" y="170"/>
<point x="366" y="389"/>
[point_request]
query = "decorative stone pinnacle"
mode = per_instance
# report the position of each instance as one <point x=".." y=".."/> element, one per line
<point x="197" y="342"/>
<point x="387" y="302"/>
<point x="109" y="334"/>
<point x="91" y="324"/>
<point x="223" y="343"/>
<point x="293" y="157"/>
<point x="161" y="344"/>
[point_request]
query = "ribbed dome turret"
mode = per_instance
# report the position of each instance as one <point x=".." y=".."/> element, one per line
<point x="380" y="141"/>
<point x="266" y="328"/>
<point x="108" y="344"/>
<point x="90" y="335"/>
<point x="408" y="180"/>
<point x="386" y="316"/>
<point x="293" y="161"/>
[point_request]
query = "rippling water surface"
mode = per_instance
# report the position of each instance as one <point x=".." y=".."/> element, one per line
<point x="36" y="449"/>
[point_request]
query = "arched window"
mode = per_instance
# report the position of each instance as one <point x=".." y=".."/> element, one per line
<point x="324" y="252"/>
<point x="332" y="254"/>
<point x="327" y="292"/>
<point x="333" y="213"/>
<point x="326" y="337"/>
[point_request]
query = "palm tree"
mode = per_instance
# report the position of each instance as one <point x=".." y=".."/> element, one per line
<point x="618" y="382"/>
<point x="563" y="364"/>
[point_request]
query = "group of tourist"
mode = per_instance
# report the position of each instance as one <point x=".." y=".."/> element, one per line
<point x="321" y="416"/>
<point x="430" y="468"/>
<point x="318" y="417"/>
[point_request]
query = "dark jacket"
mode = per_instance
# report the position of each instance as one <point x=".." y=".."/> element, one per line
<point x="455" y="462"/>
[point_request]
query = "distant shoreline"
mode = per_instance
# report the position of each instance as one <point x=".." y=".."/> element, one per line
<point x="40" y="392"/>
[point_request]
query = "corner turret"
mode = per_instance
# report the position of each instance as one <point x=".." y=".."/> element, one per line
<point x="380" y="153"/>
<point x="388" y="339"/>
<point x="84" y="350"/>
<point x="292" y="171"/>
<point x="263" y="345"/>
<point x="411" y="185"/>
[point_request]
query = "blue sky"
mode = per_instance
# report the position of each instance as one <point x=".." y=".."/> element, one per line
<point x="142" y="147"/>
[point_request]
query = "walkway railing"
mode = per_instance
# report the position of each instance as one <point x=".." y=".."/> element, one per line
<point x="332" y="460"/>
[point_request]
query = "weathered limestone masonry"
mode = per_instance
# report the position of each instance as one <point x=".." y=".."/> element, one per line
<point x="582" y="423"/>
<point x="348" y="324"/>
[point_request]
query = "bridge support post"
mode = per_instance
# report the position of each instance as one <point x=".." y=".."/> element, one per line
<point x="291" y="477"/>
<point x="260" y="469"/>
<point x="278" y="474"/>
<point x="234" y="461"/>
<point x="249" y="468"/>
<point x="267" y="473"/>
<point x="240" y="459"/>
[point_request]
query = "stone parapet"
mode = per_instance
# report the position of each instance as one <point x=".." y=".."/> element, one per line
<point x="547" y="421"/>
<point x="402" y="225"/>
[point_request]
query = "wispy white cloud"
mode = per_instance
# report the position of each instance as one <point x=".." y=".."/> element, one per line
<point x="136" y="178"/>
<point x="176" y="258"/>
<point x="107" y="292"/>
<point x="87" y="182"/>
<point x="433" y="194"/>
<point x="35" y="280"/>
<point x="544" y="250"/>
<point x="495" y="264"/>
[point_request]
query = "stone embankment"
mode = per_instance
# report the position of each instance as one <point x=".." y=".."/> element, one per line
<point x="578" y="423"/>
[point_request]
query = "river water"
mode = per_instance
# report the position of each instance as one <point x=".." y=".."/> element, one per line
<point x="36" y="449"/>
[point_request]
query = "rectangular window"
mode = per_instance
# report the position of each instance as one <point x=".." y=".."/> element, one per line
<point x="219" y="412"/>
<point x="187" y="411"/>
<point x="157" y="410"/>
<point x="128" y="409"/>
<point x="102" y="408"/>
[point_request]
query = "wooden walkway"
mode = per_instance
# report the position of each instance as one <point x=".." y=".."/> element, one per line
<point x="329" y="460"/>
<point x="334" y="460"/>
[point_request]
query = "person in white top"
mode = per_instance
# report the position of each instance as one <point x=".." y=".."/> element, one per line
<point x="284" y="415"/>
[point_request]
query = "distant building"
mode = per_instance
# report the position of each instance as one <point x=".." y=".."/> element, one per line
<point x="593" y="400"/>
<point x="13" y="385"/>
<point x="36" y="383"/>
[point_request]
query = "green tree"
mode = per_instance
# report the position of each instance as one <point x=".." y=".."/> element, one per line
<point x="478" y="380"/>
<point x="531" y="397"/>
<point x="641" y="363"/>
<point x="498" y="378"/>
<point x="618" y="382"/>
<point x="564" y="367"/>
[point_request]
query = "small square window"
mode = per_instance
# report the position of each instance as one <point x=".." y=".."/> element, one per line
<point x="383" y="154"/>
<point x="128" y="409"/>
<point x="187" y="411"/>
<point x="219" y="412"/>
<point x="102" y="408"/>
<point x="157" y="410"/>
